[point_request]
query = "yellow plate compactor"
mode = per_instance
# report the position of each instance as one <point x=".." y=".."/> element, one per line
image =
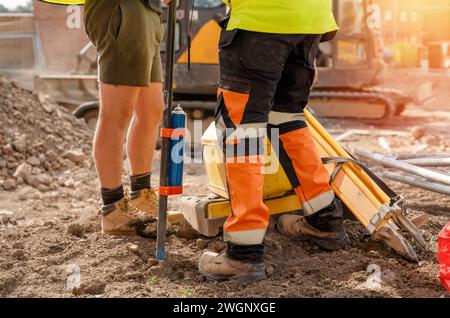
<point x="367" y="197"/>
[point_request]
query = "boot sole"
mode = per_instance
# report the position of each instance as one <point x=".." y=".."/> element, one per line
<point x="242" y="278"/>
<point x="326" y="244"/>
<point x="258" y="275"/>
<point x="329" y="245"/>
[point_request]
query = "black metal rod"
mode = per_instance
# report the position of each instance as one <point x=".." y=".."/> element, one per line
<point x="168" y="99"/>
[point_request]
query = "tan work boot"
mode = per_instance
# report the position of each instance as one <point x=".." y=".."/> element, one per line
<point x="299" y="228"/>
<point x="221" y="267"/>
<point x="145" y="200"/>
<point x="325" y="227"/>
<point x="121" y="217"/>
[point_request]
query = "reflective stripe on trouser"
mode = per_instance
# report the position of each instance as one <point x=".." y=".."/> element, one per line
<point x="301" y="161"/>
<point x="243" y="147"/>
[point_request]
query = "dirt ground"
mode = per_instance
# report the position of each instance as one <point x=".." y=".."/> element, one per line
<point x="50" y="232"/>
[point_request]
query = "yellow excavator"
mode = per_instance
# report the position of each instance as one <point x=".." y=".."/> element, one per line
<point x="351" y="68"/>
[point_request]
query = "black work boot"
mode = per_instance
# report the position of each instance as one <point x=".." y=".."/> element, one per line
<point x="240" y="263"/>
<point x="325" y="228"/>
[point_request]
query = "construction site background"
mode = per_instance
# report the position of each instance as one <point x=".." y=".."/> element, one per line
<point x="52" y="244"/>
<point x="48" y="40"/>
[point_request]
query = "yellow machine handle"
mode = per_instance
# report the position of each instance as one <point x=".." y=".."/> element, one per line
<point x="340" y="152"/>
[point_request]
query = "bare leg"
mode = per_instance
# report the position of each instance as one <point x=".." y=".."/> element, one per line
<point x="142" y="134"/>
<point x="117" y="104"/>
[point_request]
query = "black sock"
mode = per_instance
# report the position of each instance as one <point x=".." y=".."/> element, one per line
<point x="140" y="181"/>
<point x="329" y="218"/>
<point x="246" y="252"/>
<point x="112" y="195"/>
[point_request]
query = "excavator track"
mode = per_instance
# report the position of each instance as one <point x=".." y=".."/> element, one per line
<point x="373" y="106"/>
<point x="400" y="99"/>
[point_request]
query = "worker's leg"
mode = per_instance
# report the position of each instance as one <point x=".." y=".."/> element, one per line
<point x="118" y="29"/>
<point x="299" y="156"/>
<point x="116" y="109"/>
<point x="142" y="134"/>
<point x="250" y="65"/>
<point x="141" y="143"/>
<point x="142" y="138"/>
<point x="312" y="186"/>
<point x="243" y="150"/>
<point x="250" y="69"/>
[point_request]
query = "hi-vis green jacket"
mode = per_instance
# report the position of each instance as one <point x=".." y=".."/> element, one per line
<point x="282" y="16"/>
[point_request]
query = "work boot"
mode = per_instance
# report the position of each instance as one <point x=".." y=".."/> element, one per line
<point x="325" y="228"/>
<point x="121" y="217"/>
<point x="220" y="267"/>
<point x="145" y="200"/>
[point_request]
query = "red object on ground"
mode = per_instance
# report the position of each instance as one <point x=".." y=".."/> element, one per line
<point x="444" y="255"/>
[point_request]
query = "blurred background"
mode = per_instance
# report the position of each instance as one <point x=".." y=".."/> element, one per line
<point x="384" y="88"/>
<point x="416" y="34"/>
<point x="396" y="44"/>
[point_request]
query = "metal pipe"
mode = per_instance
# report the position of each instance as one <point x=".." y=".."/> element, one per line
<point x="407" y="156"/>
<point x="418" y="171"/>
<point x="417" y="182"/>
<point x="429" y="162"/>
<point x="346" y="134"/>
<point x="168" y="97"/>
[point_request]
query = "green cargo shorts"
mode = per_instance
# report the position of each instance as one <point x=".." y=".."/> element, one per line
<point x="127" y="36"/>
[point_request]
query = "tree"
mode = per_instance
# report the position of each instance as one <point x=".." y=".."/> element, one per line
<point x="3" y="9"/>
<point x="27" y="8"/>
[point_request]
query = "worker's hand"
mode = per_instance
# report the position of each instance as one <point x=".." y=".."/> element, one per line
<point x="316" y="75"/>
<point x="167" y="1"/>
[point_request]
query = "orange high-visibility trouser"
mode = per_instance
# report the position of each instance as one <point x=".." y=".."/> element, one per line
<point x="265" y="82"/>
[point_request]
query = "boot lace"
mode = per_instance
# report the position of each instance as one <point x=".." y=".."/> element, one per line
<point x="150" y="195"/>
<point x="127" y="208"/>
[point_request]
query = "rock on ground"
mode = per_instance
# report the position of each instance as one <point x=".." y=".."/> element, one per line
<point x="35" y="142"/>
